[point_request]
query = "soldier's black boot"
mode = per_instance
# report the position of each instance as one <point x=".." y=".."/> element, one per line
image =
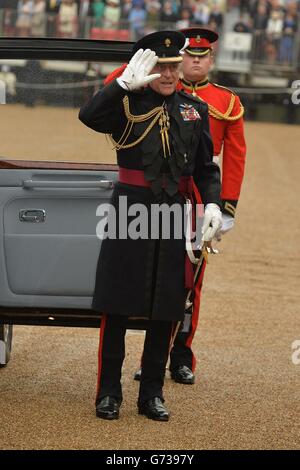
<point x="154" y="409"/>
<point x="183" y="375"/>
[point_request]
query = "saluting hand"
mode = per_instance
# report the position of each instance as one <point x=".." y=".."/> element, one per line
<point x="136" y="75"/>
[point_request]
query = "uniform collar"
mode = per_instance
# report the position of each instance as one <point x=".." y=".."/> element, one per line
<point x="194" y="86"/>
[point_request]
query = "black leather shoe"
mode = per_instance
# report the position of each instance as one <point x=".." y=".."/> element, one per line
<point x="183" y="375"/>
<point x="154" y="409"/>
<point x="137" y="375"/>
<point x="108" y="408"/>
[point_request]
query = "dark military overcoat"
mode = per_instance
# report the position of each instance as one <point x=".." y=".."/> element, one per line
<point x="146" y="277"/>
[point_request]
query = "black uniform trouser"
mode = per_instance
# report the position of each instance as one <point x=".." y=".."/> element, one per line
<point x="181" y="354"/>
<point x="112" y="353"/>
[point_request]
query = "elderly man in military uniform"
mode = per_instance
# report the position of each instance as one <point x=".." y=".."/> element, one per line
<point x="162" y="141"/>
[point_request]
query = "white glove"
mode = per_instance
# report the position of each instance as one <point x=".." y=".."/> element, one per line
<point x="186" y="44"/>
<point x="136" y="73"/>
<point x="212" y="221"/>
<point x="227" y="224"/>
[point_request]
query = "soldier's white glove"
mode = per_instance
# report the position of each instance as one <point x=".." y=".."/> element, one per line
<point x="136" y="75"/>
<point x="212" y="221"/>
<point x="227" y="224"/>
<point x="186" y="44"/>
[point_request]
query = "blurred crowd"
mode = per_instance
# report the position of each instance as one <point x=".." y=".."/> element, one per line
<point x="73" y="18"/>
<point x="274" y="24"/>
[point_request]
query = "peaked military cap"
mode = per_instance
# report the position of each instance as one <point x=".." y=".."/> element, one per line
<point x="166" y="45"/>
<point x="200" y="40"/>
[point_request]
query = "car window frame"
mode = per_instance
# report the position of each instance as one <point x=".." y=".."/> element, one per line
<point x="89" y="50"/>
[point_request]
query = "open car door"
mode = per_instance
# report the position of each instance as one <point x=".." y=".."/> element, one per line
<point x="54" y="174"/>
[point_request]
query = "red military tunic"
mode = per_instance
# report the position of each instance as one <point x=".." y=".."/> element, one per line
<point x="227" y="131"/>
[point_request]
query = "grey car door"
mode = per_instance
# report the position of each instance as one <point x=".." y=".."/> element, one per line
<point x="48" y="235"/>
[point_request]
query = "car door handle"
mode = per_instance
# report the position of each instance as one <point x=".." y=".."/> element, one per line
<point x="97" y="184"/>
<point x="32" y="215"/>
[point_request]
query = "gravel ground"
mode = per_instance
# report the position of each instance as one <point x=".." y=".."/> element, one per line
<point x="246" y="394"/>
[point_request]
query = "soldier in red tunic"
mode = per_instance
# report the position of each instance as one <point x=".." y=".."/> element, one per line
<point x="227" y="131"/>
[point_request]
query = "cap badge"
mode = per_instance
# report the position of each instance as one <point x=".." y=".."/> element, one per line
<point x="198" y="38"/>
<point x="168" y="42"/>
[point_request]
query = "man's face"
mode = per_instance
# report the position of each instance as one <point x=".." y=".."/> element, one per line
<point x="196" y="68"/>
<point x="169" y="76"/>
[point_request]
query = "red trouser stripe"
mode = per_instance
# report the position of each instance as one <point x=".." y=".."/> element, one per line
<point x="102" y="329"/>
<point x="195" y="314"/>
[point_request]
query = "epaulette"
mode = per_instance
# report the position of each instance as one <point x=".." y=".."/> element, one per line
<point x="224" y="88"/>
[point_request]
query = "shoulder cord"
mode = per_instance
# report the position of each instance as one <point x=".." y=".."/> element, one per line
<point x="156" y="113"/>
<point x="214" y="112"/>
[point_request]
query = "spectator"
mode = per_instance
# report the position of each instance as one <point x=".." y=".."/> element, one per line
<point x="289" y="31"/>
<point x="167" y="14"/>
<point x="212" y="25"/>
<point x="24" y="12"/>
<point x="260" y="18"/>
<point x="184" y="20"/>
<point x="176" y="5"/>
<point x="52" y="9"/>
<point x="38" y="22"/>
<point x="278" y="5"/>
<point x="242" y="25"/>
<point x="97" y="12"/>
<point x="275" y="24"/>
<point x="216" y="16"/>
<point x="137" y="18"/>
<point x="274" y="33"/>
<point x="153" y="8"/>
<point x="84" y="8"/>
<point x="260" y="22"/>
<point x="8" y="17"/>
<point x="112" y="14"/>
<point x="201" y="12"/>
<point x="125" y="9"/>
<point x="67" y="19"/>
<point x="257" y="4"/>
